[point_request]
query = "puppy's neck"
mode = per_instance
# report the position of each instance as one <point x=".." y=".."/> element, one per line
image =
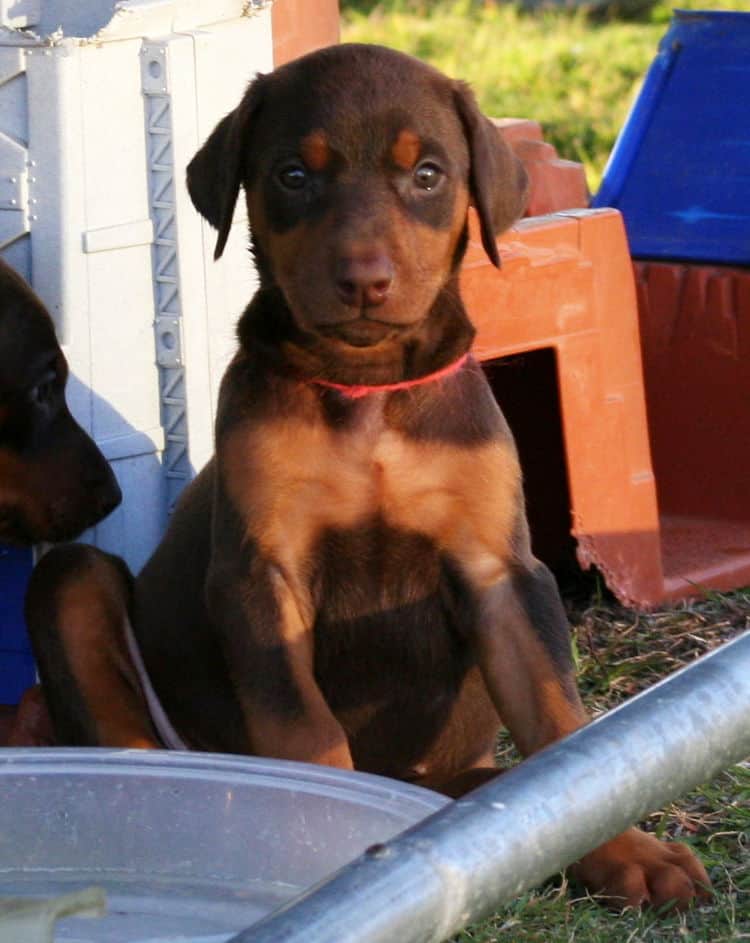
<point x="267" y="331"/>
<point x="359" y="391"/>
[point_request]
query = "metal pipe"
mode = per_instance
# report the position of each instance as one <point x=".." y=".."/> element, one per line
<point x="514" y="832"/>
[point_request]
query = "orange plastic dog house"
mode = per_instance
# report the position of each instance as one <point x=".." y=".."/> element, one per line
<point x="559" y="334"/>
<point x="695" y="331"/>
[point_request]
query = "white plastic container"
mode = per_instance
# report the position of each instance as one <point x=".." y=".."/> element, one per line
<point x="102" y="105"/>
<point x="189" y="847"/>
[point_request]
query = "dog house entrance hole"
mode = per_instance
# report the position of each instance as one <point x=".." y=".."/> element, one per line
<point x="526" y="389"/>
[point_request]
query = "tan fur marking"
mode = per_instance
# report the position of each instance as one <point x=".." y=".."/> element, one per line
<point x="291" y="479"/>
<point x="316" y="737"/>
<point x="295" y="610"/>
<point x="288" y="480"/>
<point x="420" y="244"/>
<point x="315" y="150"/>
<point x="405" y="150"/>
<point x="462" y="498"/>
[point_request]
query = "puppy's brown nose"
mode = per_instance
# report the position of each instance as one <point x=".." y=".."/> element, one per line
<point x="364" y="281"/>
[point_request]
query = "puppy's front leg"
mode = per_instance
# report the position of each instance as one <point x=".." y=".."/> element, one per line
<point x="523" y="649"/>
<point x="265" y="623"/>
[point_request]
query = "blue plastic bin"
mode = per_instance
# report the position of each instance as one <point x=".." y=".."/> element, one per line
<point x="17" y="670"/>
<point x="680" y="171"/>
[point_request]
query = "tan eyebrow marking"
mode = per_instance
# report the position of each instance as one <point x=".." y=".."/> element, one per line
<point x="315" y="150"/>
<point x="405" y="150"/>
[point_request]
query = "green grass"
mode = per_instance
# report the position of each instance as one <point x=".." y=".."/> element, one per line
<point x="575" y="76"/>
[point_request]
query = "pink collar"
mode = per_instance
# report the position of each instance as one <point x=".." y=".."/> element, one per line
<point x="357" y="392"/>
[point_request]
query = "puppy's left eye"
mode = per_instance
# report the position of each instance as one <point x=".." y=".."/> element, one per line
<point x="427" y="175"/>
<point x="44" y="391"/>
<point x="292" y="177"/>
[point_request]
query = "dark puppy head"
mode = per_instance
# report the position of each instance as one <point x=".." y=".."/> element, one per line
<point x="359" y="164"/>
<point x="54" y="481"/>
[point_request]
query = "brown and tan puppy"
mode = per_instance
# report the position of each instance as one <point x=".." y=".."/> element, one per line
<point x="350" y="580"/>
<point x="54" y="481"/>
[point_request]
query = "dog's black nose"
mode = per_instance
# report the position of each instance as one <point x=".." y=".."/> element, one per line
<point x="108" y="499"/>
<point x="364" y="281"/>
<point x="104" y="491"/>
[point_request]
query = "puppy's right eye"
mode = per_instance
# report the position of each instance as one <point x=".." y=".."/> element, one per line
<point x="292" y="177"/>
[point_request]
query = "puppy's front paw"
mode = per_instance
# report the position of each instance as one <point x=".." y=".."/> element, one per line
<point x="637" y="870"/>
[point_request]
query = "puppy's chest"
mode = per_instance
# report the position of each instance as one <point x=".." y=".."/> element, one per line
<point x="294" y="480"/>
<point x="296" y="470"/>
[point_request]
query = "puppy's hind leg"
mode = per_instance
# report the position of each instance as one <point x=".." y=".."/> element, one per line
<point x="77" y="611"/>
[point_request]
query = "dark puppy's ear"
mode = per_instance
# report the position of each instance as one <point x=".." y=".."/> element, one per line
<point x="214" y="175"/>
<point x="498" y="183"/>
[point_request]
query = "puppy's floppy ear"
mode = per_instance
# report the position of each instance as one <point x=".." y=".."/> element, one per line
<point x="214" y="175"/>
<point x="497" y="182"/>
